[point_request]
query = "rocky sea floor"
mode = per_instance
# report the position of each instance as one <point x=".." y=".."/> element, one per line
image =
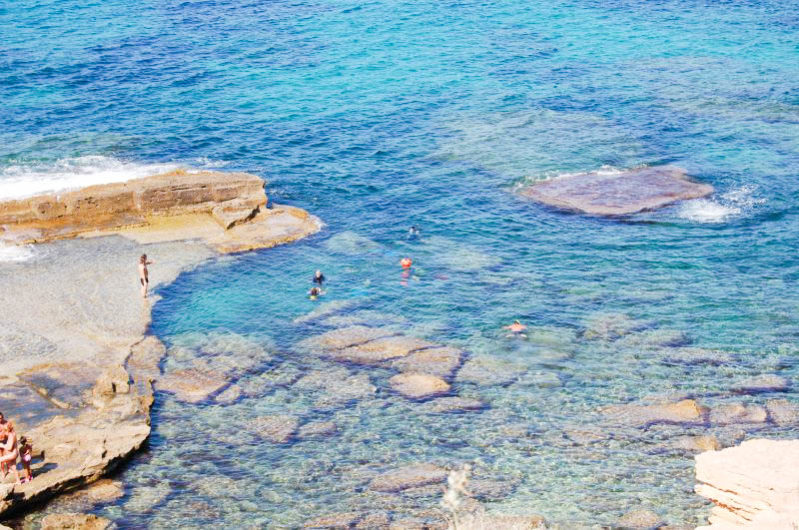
<point x="297" y="413"/>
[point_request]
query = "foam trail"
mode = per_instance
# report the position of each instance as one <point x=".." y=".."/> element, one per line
<point x="19" y="181"/>
<point x="733" y="203"/>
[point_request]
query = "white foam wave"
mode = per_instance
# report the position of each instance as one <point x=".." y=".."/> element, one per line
<point x="733" y="203"/>
<point x="14" y="253"/>
<point x="19" y="181"/>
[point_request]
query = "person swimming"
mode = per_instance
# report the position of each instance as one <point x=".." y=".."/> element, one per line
<point x="318" y="278"/>
<point x="406" y="263"/>
<point x="314" y="293"/>
<point x="414" y="233"/>
<point x="516" y="329"/>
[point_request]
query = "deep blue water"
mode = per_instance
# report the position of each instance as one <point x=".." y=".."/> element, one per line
<point x="380" y="115"/>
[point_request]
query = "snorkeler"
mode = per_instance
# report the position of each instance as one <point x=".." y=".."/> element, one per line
<point x="314" y="293"/>
<point x="318" y="278"/>
<point x="516" y="329"/>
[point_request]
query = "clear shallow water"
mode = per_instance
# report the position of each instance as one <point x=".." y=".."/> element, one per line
<point x="381" y="115"/>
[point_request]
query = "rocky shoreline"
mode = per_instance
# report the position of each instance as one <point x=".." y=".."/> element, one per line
<point x="78" y="364"/>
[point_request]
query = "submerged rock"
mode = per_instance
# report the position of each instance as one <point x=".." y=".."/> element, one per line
<point x="74" y="521"/>
<point x="697" y="356"/>
<point x="640" y="520"/>
<point x="229" y="395"/>
<point x="617" y="193"/>
<point x="610" y="326"/>
<point x="317" y="429"/>
<point x="336" y="520"/>
<point x="411" y="476"/>
<point x="105" y="490"/>
<point x="695" y="444"/>
<point x="145" y="498"/>
<point x="735" y="413"/>
<point x="192" y="385"/>
<point x="441" y="361"/>
<point x="655" y="338"/>
<point x="762" y="384"/>
<point x="351" y="243"/>
<point x="277" y="429"/>
<point x="686" y="411"/>
<point x="416" y="386"/>
<point x="489" y="371"/>
<point x="345" y="337"/>
<point x="454" y="404"/>
<point x="783" y="412"/>
<point x="379" y="350"/>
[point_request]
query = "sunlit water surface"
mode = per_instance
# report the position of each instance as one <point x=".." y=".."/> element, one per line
<point x="381" y="115"/>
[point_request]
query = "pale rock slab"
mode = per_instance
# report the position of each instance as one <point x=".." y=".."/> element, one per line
<point x="754" y="485"/>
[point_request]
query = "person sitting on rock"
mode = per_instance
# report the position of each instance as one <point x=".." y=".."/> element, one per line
<point x="318" y="278"/>
<point x="26" y="455"/>
<point x="516" y="329"/>
<point x="10" y="450"/>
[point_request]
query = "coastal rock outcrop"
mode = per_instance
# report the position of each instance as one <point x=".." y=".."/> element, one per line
<point x="226" y="210"/>
<point x="78" y="444"/>
<point x="754" y="485"/>
<point x="617" y="192"/>
<point x="86" y="415"/>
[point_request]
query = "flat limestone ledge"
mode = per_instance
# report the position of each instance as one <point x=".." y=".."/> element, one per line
<point x="617" y="193"/>
<point x="226" y="210"/>
<point x="82" y="421"/>
<point x="753" y="485"/>
<point x="267" y="228"/>
<point x="229" y="198"/>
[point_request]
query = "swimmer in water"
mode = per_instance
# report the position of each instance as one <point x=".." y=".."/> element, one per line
<point x="144" y="274"/>
<point x="314" y="293"/>
<point x="318" y="278"/>
<point x="516" y="329"/>
<point x="414" y="233"/>
<point x="406" y="263"/>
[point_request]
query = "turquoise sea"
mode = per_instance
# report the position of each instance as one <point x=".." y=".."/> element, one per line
<point x="379" y="115"/>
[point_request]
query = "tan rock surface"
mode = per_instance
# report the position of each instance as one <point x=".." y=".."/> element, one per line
<point x="441" y="361"/>
<point x="411" y="476"/>
<point x="754" y="485"/>
<point x="192" y="385"/>
<point x="276" y="429"/>
<point x="345" y="337"/>
<point x="382" y="349"/>
<point x="685" y="411"/>
<point x="618" y="193"/>
<point x="416" y="386"/>
<point x="74" y="521"/>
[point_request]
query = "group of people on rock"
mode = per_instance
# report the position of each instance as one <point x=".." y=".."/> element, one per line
<point x="13" y="449"/>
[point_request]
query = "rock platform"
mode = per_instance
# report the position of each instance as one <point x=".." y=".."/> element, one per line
<point x="78" y="365"/>
<point x="754" y="485"/>
<point x="617" y="193"/>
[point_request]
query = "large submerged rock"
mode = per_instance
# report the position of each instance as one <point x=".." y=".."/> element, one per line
<point x="754" y="485"/>
<point x="618" y="193"/>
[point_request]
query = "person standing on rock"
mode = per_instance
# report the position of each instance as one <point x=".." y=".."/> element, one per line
<point x="10" y="450"/>
<point x="144" y="274"/>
